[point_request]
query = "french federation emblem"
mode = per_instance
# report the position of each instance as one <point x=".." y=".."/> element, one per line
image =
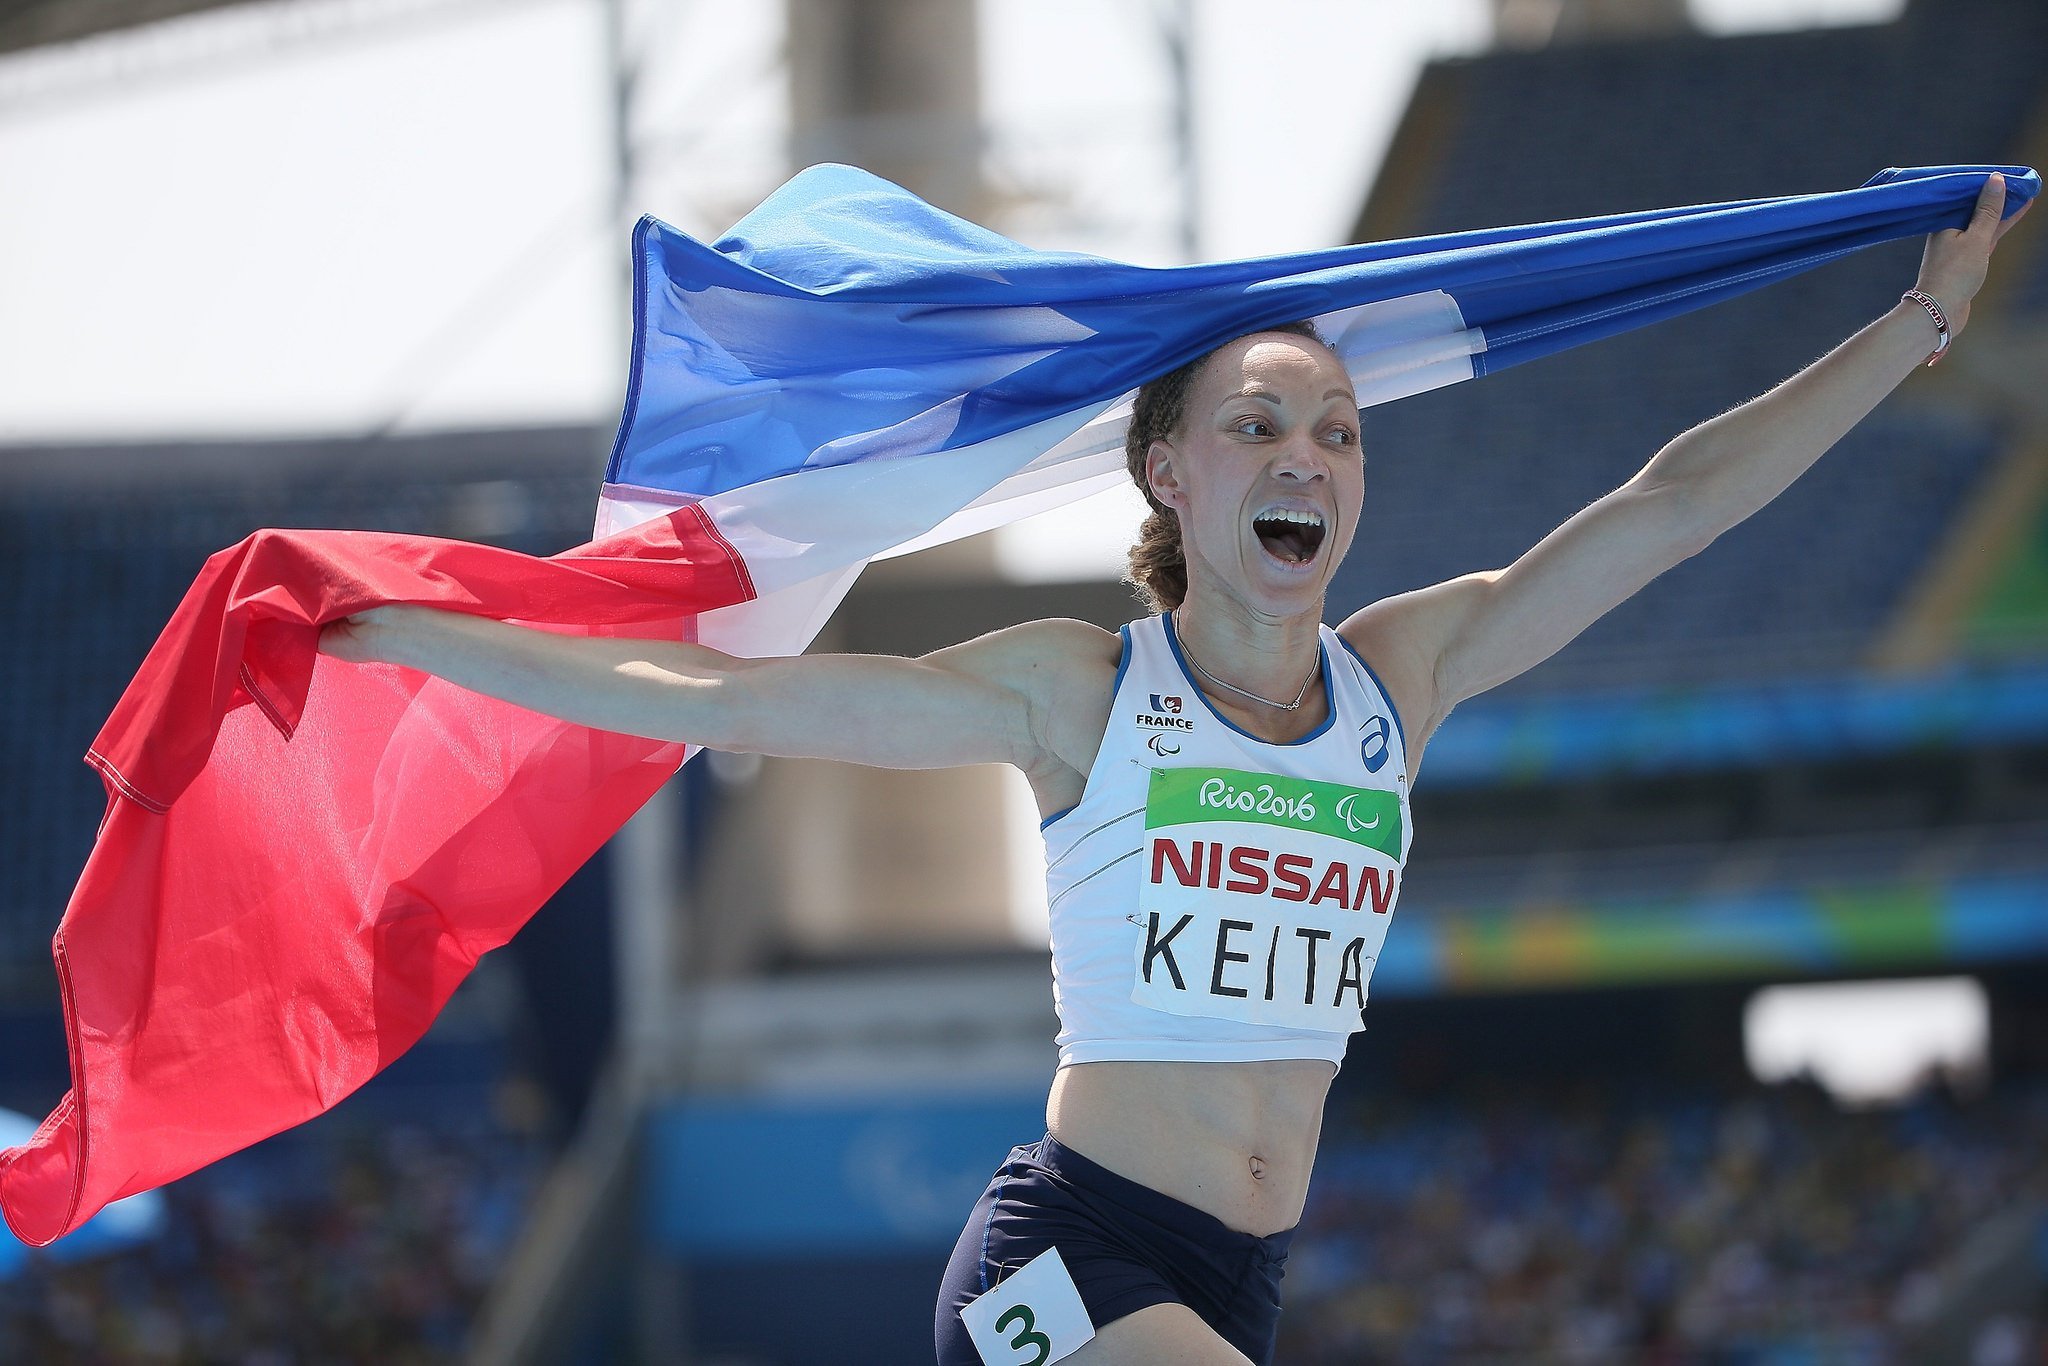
<point x="1169" y="705"/>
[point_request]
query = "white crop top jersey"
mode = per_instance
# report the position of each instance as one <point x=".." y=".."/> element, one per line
<point x="1214" y="897"/>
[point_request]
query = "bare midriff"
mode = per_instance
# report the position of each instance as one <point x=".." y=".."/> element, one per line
<point x="1234" y="1139"/>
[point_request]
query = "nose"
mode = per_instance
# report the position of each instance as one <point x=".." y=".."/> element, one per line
<point x="1298" y="458"/>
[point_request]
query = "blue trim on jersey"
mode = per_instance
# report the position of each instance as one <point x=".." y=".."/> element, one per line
<point x="1329" y="692"/>
<point x="1123" y="664"/>
<point x="1385" y="696"/>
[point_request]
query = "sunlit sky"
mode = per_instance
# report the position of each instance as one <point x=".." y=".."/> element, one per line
<point x="337" y="215"/>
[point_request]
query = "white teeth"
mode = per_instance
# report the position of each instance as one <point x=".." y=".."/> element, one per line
<point x="1290" y="515"/>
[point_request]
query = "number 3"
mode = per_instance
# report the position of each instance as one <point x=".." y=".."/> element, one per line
<point x="1025" y="1337"/>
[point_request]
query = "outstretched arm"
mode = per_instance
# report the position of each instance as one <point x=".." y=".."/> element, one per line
<point x="1000" y="699"/>
<point x="1439" y="645"/>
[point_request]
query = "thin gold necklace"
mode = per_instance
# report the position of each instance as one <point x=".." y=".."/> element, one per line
<point x="1299" y="697"/>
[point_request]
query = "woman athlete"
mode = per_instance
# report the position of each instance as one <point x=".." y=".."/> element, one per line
<point x="1210" y="959"/>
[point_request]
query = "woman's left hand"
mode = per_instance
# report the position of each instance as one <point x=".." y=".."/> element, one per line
<point x="360" y="639"/>
<point x="1953" y="264"/>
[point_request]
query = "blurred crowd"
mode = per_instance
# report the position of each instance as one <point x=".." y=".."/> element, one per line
<point x="1508" y="1224"/>
<point x="363" y="1243"/>
<point x="1767" y="1229"/>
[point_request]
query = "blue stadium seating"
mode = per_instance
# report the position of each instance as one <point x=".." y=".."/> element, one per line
<point x="1467" y="478"/>
<point x="89" y="574"/>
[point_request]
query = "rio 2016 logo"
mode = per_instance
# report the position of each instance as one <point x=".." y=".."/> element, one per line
<point x="1262" y="800"/>
<point x="1370" y="817"/>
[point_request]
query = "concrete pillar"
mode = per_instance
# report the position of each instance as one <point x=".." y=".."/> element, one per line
<point x="892" y="86"/>
<point x="1539" y="23"/>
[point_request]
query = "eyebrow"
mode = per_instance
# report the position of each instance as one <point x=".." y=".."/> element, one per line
<point x="1269" y="396"/>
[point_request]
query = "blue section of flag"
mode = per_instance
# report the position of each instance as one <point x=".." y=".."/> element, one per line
<point x="845" y="319"/>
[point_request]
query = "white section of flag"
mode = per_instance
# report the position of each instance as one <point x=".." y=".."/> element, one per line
<point x="805" y="536"/>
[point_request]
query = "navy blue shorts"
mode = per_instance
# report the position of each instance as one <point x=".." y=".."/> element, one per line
<point x="1126" y="1246"/>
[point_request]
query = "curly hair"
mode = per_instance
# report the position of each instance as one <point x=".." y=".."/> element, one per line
<point x="1158" y="562"/>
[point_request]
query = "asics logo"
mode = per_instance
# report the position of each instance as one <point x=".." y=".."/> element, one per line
<point x="1373" y="748"/>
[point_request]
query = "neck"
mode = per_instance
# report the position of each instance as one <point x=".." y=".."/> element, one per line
<point x="1269" y="656"/>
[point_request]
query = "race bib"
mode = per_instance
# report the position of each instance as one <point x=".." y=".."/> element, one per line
<point x="1264" y="900"/>
<point x="1033" y="1318"/>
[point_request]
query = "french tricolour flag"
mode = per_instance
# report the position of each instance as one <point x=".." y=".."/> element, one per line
<point x="301" y="858"/>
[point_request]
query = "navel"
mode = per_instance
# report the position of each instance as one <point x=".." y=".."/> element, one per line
<point x="1258" y="1166"/>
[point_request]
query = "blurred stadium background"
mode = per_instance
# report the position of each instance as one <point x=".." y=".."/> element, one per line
<point x="728" y="1098"/>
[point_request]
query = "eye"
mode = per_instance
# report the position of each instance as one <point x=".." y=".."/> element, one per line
<point x="1343" y="436"/>
<point x="1252" y="426"/>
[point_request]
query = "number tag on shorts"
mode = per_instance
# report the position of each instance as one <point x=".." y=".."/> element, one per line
<point x="1032" y="1319"/>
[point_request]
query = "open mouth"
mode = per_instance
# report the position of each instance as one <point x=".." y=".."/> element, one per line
<point x="1290" y="535"/>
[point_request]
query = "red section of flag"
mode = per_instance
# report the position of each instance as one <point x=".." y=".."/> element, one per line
<point x="302" y="858"/>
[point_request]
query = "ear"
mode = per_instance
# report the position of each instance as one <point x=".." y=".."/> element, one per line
<point x="1162" y="471"/>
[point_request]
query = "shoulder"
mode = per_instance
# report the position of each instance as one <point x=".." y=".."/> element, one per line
<point x="1059" y="665"/>
<point x="1036" y="651"/>
<point x="1064" y="671"/>
<point x="1077" y="642"/>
